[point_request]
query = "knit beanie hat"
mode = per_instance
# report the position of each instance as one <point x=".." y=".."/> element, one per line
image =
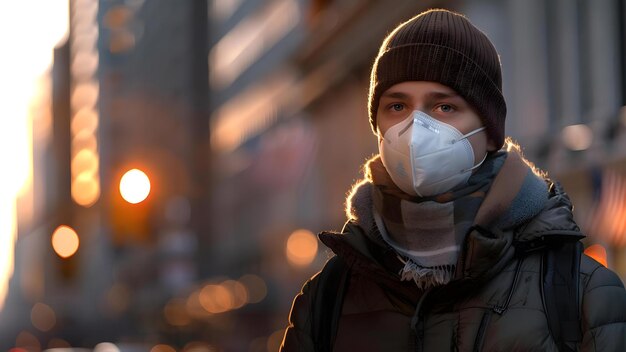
<point x="443" y="46"/>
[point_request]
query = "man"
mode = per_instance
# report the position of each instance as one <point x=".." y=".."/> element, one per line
<point x="453" y="242"/>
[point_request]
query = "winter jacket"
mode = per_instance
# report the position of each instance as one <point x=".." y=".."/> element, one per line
<point x="494" y="303"/>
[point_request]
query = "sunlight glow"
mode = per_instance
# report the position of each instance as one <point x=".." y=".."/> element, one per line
<point x="31" y="28"/>
<point x="223" y="9"/>
<point x="252" y="37"/>
<point x="249" y="113"/>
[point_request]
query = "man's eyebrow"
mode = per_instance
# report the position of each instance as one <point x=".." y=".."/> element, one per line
<point x="442" y="95"/>
<point x="397" y="95"/>
<point x="430" y="95"/>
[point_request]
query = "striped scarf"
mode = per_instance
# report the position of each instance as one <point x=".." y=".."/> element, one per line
<point x="427" y="233"/>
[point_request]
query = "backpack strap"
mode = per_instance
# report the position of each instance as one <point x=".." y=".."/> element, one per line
<point x="327" y="303"/>
<point x="560" y="283"/>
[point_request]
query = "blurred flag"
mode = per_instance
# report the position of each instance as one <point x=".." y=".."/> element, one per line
<point x="607" y="219"/>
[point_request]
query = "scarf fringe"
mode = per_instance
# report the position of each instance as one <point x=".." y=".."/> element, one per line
<point x="426" y="277"/>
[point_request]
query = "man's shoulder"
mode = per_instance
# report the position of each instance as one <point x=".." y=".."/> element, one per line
<point x="596" y="275"/>
<point x="603" y="305"/>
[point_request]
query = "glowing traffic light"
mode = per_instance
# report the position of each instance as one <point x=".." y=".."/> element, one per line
<point x="134" y="186"/>
<point x="130" y="209"/>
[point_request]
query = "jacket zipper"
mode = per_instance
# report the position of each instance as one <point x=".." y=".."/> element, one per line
<point x="417" y="323"/>
<point x="500" y="309"/>
<point x="478" y="345"/>
<point x="486" y="319"/>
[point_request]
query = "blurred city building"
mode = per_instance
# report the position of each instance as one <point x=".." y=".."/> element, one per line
<point x="129" y="91"/>
<point x="243" y="124"/>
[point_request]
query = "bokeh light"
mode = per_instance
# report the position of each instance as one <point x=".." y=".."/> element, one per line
<point x="85" y="189"/>
<point x="85" y="94"/>
<point x="135" y="186"/>
<point x="577" y="137"/>
<point x="58" y="343"/>
<point x="162" y="348"/>
<point x="86" y="161"/>
<point x="85" y="89"/>
<point x="238" y="291"/>
<point x="85" y="120"/>
<point x="27" y="341"/>
<point x="176" y="314"/>
<point x="106" y="347"/>
<point x="84" y="140"/>
<point x="117" y="17"/>
<point x="43" y="317"/>
<point x="255" y="287"/>
<point x="117" y="299"/>
<point x="121" y="41"/>
<point x="194" y="307"/>
<point x="85" y="64"/>
<point x="86" y="33"/>
<point x="274" y="340"/>
<point x="258" y="344"/>
<point x="197" y="346"/>
<point x="597" y="252"/>
<point x="65" y="241"/>
<point x="301" y="247"/>
<point x="216" y="299"/>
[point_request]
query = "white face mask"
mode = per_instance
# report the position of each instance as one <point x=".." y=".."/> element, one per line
<point x="425" y="156"/>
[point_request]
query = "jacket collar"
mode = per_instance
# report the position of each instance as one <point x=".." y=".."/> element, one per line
<point x="554" y="224"/>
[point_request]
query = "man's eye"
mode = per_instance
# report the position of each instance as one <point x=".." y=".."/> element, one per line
<point x="397" y="107"/>
<point x="446" y="108"/>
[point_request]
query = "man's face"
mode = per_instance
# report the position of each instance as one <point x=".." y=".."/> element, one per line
<point x="438" y="101"/>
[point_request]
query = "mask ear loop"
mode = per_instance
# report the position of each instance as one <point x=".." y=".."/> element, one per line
<point x="484" y="158"/>
<point x="465" y="136"/>
<point x="477" y="165"/>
